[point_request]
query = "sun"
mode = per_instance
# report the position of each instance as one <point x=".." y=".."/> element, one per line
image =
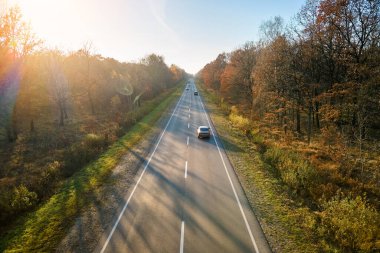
<point x="54" y="21"/>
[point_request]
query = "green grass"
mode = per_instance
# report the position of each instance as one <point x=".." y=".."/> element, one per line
<point x="43" y="229"/>
<point x="288" y="225"/>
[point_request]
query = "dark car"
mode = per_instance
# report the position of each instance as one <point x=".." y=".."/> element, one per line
<point x="195" y="93"/>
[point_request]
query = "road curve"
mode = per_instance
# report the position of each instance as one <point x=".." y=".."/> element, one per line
<point x="187" y="197"/>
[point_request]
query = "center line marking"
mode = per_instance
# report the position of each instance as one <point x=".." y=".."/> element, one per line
<point x="189" y="115"/>
<point x="182" y="237"/>
<point x="186" y="169"/>
<point x="188" y="125"/>
<point x="187" y="140"/>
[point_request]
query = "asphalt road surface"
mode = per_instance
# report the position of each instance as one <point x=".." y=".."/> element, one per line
<point x="187" y="197"/>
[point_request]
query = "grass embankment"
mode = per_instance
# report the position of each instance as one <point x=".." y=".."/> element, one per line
<point x="43" y="229"/>
<point x="285" y="224"/>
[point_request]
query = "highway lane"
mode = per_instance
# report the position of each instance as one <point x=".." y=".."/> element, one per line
<point x="187" y="197"/>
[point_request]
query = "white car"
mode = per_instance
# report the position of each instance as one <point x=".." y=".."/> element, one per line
<point x="203" y="132"/>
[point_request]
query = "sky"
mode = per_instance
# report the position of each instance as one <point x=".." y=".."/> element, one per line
<point x="188" y="33"/>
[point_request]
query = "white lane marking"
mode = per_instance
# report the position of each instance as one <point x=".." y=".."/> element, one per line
<point x="138" y="181"/>
<point x="186" y="169"/>
<point x="187" y="141"/>
<point x="232" y="185"/>
<point x="188" y="125"/>
<point x="189" y="115"/>
<point x="189" y="109"/>
<point x="182" y="237"/>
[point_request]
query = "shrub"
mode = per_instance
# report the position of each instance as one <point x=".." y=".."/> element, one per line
<point x="295" y="171"/>
<point x="94" y="141"/>
<point x="23" y="199"/>
<point x="351" y="223"/>
<point x="81" y="153"/>
<point x="47" y="177"/>
<point x="238" y="121"/>
<point x="5" y="204"/>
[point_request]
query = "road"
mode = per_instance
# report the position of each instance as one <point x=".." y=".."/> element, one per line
<point x="187" y="197"/>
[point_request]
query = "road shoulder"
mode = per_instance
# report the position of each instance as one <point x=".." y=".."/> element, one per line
<point x="279" y="217"/>
<point x="107" y="201"/>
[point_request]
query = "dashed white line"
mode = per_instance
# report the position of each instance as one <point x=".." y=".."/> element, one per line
<point x="188" y="125"/>
<point x="186" y="169"/>
<point x="187" y="141"/>
<point x="138" y="181"/>
<point x="182" y="237"/>
<point x="189" y="115"/>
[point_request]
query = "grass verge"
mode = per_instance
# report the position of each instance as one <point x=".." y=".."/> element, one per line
<point x="43" y="229"/>
<point x="288" y="225"/>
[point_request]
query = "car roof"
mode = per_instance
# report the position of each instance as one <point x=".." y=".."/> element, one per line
<point x="202" y="126"/>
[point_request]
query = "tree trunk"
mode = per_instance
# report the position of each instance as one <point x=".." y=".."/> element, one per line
<point x="298" y="116"/>
<point x="61" y="114"/>
<point x="285" y="122"/>
<point x="92" y="107"/>
<point x="293" y="117"/>
<point x="309" y="125"/>
<point x="32" y="125"/>
<point x="65" y="112"/>
<point x="317" y="115"/>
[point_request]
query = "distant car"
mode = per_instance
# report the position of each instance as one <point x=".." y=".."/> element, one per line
<point x="203" y="132"/>
<point x="187" y="88"/>
<point x="195" y="93"/>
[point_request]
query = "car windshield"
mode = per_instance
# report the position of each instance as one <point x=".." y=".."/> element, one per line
<point x="204" y="128"/>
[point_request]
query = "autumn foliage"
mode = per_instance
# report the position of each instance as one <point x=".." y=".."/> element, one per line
<point x="314" y="90"/>
<point x="60" y="110"/>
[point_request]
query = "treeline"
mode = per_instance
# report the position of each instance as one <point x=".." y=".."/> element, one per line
<point x="317" y="81"/>
<point x="324" y="67"/>
<point x="37" y="82"/>
<point x="58" y="110"/>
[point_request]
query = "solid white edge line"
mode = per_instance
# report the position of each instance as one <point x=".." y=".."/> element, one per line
<point x="232" y="185"/>
<point x="186" y="169"/>
<point x="138" y="181"/>
<point x="182" y="237"/>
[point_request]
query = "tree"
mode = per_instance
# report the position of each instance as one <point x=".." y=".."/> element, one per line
<point x="16" y="42"/>
<point x="87" y="52"/>
<point x="58" y="84"/>
<point x="236" y="80"/>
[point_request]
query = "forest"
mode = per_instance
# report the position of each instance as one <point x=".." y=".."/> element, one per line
<point x="308" y="92"/>
<point x="60" y="110"/>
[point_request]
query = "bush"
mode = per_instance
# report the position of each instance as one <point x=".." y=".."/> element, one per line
<point x="5" y="204"/>
<point x="48" y="176"/>
<point x="295" y="171"/>
<point x="14" y="200"/>
<point x="238" y="121"/>
<point x="94" y="141"/>
<point x="23" y="199"/>
<point x="80" y="154"/>
<point x="351" y="223"/>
